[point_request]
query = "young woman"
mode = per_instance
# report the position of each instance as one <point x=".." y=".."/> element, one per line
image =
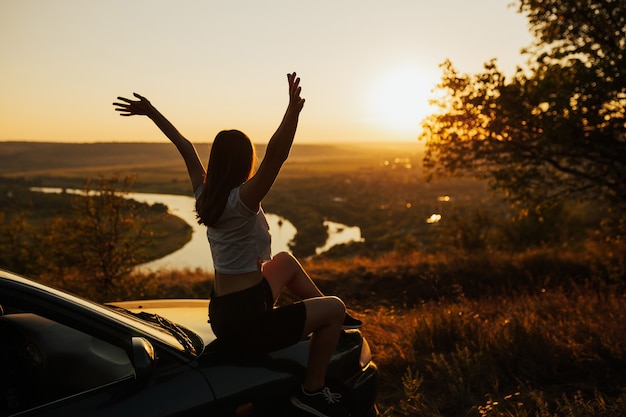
<point x="248" y="280"/>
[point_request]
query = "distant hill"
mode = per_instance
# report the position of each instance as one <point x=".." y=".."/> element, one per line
<point x="23" y="158"/>
<point x="28" y="159"/>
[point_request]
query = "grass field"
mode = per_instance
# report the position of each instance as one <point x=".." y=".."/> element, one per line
<point x="538" y="333"/>
<point x="475" y="315"/>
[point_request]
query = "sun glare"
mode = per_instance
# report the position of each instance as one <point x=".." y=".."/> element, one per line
<point x="399" y="100"/>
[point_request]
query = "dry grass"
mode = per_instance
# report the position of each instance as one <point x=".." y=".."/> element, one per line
<point x="539" y="333"/>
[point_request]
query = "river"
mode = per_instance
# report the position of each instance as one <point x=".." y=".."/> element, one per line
<point x="196" y="254"/>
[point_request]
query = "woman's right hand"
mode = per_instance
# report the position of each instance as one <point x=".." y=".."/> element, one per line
<point x="134" y="107"/>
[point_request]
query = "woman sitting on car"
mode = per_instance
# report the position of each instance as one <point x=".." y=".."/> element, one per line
<point x="248" y="280"/>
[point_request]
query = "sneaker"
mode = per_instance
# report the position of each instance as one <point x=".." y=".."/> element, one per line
<point x="351" y="323"/>
<point x="324" y="403"/>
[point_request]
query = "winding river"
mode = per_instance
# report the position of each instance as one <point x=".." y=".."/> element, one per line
<point x="195" y="254"/>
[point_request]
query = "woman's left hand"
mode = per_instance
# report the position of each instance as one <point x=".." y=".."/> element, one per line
<point x="295" y="101"/>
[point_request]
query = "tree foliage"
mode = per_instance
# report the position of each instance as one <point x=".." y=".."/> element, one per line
<point x="104" y="238"/>
<point x="555" y="131"/>
<point x="89" y="246"/>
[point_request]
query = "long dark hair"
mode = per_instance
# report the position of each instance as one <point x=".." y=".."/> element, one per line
<point x="231" y="163"/>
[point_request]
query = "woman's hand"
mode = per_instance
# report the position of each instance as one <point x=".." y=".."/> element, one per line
<point x="295" y="101"/>
<point x="134" y="107"/>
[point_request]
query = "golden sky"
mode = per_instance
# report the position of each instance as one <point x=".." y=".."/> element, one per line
<point x="367" y="67"/>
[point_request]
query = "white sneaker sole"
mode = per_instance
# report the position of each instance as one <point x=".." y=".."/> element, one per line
<point x="299" y="404"/>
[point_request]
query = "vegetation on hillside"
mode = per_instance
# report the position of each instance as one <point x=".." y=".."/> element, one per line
<point x="89" y="242"/>
<point x="488" y="333"/>
<point x="481" y="333"/>
<point x="479" y="314"/>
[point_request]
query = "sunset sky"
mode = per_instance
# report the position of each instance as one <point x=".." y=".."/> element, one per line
<point x="366" y="66"/>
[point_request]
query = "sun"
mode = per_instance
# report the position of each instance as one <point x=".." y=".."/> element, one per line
<point x="399" y="99"/>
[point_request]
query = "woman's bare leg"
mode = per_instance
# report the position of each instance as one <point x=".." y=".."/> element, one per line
<point x="324" y="317"/>
<point x="285" y="271"/>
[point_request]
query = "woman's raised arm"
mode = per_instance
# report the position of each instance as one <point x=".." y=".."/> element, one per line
<point x="143" y="107"/>
<point x="277" y="151"/>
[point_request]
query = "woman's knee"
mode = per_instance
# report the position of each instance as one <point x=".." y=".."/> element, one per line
<point x="336" y="308"/>
<point x="339" y="302"/>
<point x="281" y="255"/>
<point x="285" y="259"/>
<point x="324" y="311"/>
<point x="282" y="261"/>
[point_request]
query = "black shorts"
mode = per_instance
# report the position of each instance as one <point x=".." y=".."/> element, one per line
<point x="248" y="321"/>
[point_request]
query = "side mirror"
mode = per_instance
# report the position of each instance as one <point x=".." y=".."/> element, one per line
<point x="144" y="358"/>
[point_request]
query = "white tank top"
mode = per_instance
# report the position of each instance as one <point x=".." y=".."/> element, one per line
<point x="240" y="238"/>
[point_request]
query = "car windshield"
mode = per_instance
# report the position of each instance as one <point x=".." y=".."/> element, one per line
<point x="182" y="335"/>
<point x="154" y="326"/>
<point x="149" y="327"/>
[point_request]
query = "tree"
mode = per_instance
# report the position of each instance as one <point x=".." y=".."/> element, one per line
<point x="557" y="130"/>
<point x="103" y="240"/>
<point x="88" y="243"/>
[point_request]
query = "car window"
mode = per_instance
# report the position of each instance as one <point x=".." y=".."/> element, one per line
<point x="42" y="361"/>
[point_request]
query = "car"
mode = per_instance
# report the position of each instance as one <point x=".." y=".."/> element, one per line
<point x="63" y="355"/>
